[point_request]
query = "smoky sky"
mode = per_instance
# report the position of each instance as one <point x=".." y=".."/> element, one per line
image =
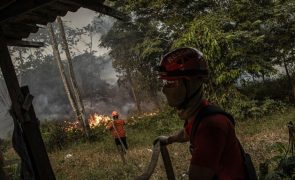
<point x="50" y="100"/>
<point x="95" y="76"/>
<point x="97" y="93"/>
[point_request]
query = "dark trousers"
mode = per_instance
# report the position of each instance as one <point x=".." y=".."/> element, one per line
<point x="124" y="141"/>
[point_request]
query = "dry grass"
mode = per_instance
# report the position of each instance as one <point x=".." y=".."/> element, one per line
<point x="100" y="160"/>
<point x="267" y="137"/>
<point x="97" y="163"/>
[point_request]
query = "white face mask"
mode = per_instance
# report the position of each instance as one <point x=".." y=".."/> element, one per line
<point x="175" y="94"/>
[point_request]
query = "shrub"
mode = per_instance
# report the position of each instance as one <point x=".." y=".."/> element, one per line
<point x="4" y="144"/>
<point x="164" y="121"/>
<point x="54" y="135"/>
<point x="278" y="89"/>
<point x="253" y="109"/>
<point x="98" y="133"/>
<point x="57" y="134"/>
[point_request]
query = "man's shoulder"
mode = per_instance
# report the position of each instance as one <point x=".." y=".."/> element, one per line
<point x="219" y="121"/>
<point x="120" y="121"/>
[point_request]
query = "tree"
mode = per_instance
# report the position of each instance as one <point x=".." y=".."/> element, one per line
<point x="238" y="38"/>
<point x="124" y="60"/>
<point x="72" y="77"/>
<point x="67" y="85"/>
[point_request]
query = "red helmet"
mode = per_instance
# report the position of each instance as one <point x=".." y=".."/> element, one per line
<point x="115" y="113"/>
<point x="183" y="63"/>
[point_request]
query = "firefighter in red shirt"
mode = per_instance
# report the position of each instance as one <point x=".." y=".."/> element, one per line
<point x="118" y="131"/>
<point x="216" y="151"/>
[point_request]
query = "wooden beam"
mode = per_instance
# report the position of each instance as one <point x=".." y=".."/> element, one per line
<point x="98" y="6"/>
<point x="62" y="6"/>
<point x="51" y="12"/>
<point x="20" y="43"/>
<point x="21" y="7"/>
<point x="5" y="3"/>
<point x="26" y="119"/>
<point x="29" y="18"/>
<point x="32" y="28"/>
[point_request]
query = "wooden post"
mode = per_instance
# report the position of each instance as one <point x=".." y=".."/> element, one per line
<point x="25" y="115"/>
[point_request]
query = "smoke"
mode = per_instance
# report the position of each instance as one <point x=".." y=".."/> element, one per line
<point x="127" y="107"/>
<point x="96" y="80"/>
<point x="95" y="76"/>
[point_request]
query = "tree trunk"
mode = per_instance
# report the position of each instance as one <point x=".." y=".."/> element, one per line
<point x="263" y="77"/>
<point x="63" y="74"/>
<point x="154" y="96"/>
<point x="137" y="102"/>
<point x="291" y="83"/>
<point x="20" y="67"/>
<point x="73" y="78"/>
<point x="91" y="39"/>
<point x="293" y="89"/>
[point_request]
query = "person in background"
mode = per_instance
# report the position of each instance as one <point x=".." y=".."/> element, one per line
<point x="118" y="132"/>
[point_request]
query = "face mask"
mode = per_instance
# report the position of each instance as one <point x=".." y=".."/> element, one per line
<point x="175" y="94"/>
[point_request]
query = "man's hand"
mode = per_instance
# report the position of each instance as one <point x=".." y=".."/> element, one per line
<point x="162" y="139"/>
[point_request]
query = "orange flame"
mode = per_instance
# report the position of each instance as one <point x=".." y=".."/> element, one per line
<point x="96" y="120"/>
<point x="71" y="126"/>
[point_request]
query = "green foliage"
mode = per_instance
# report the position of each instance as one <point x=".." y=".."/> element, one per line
<point x="164" y="122"/>
<point x="284" y="168"/>
<point x="278" y="89"/>
<point x="58" y="135"/>
<point x="237" y="38"/>
<point x="54" y="135"/>
<point x="244" y="109"/>
<point x="4" y="144"/>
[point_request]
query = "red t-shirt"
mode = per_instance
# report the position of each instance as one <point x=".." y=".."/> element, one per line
<point x="217" y="147"/>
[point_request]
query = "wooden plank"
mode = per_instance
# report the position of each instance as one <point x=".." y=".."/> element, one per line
<point x="98" y="6"/>
<point x="21" y="7"/>
<point x="18" y="31"/>
<point x="20" y="27"/>
<point x="51" y="12"/>
<point x="30" y="18"/>
<point x="20" y="43"/>
<point x="64" y="6"/>
<point x="47" y="17"/>
<point x="5" y="3"/>
<point x="15" y="34"/>
<point x="27" y="119"/>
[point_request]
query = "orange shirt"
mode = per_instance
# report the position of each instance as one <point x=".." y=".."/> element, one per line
<point x="119" y="130"/>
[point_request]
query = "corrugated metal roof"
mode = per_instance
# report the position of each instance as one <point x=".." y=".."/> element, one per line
<point x="19" y="18"/>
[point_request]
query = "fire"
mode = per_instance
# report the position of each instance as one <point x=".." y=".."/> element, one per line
<point x="96" y="120"/>
<point x="71" y="126"/>
<point x="145" y="115"/>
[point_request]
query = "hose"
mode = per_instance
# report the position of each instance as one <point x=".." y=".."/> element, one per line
<point x="157" y="148"/>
